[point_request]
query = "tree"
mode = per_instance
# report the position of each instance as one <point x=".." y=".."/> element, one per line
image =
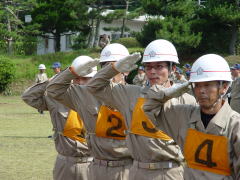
<point x="58" y="17"/>
<point x="12" y="27"/>
<point x="174" y="21"/>
<point x="7" y="73"/>
<point x="120" y="8"/>
<point x="226" y="14"/>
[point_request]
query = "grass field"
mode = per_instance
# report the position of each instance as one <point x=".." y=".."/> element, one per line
<point x="25" y="151"/>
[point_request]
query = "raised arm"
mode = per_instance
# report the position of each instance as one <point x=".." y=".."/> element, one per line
<point x="162" y="109"/>
<point x="35" y="96"/>
<point x="115" y="96"/>
<point x="60" y="87"/>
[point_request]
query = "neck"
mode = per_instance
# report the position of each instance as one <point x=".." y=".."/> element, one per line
<point x="165" y="84"/>
<point x="119" y="79"/>
<point x="214" y="108"/>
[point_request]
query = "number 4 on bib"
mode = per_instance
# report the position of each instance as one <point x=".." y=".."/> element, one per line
<point x="207" y="152"/>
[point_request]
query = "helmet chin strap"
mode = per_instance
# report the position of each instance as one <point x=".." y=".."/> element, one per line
<point x="170" y="74"/>
<point x="220" y="96"/>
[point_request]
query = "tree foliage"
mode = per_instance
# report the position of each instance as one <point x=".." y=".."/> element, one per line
<point x="60" y="16"/>
<point x="13" y="29"/>
<point x="176" y="24"/>
<point x="6" y="74"/>
<point x="226" y="16"/>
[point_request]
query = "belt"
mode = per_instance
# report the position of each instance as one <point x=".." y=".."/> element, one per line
<point x="156" y="165"/>
<point x="75" y="159"/>
<point x="112" y="163"/>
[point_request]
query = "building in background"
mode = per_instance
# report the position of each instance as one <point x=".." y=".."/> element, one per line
<point x="46" y="45"/>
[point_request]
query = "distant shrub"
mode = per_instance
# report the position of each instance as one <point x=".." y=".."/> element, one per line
<point x="128" y="42"/>
<point x="7" y="73"/>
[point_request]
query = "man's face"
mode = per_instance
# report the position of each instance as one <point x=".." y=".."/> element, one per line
<point x="235" y="72"/>
<point x="41" y="70"/>
<point x="178" y="75"/>
<point x="140" y="71"/>
<point x="157" y="72"/>
<point x="81" y="80"/>
<point x="207" y="93"/>
<point x="56" y="70"/>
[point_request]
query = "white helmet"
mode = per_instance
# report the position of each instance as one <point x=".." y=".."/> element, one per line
<point x="160" y="50"/>
<point x="41" y="66"/>
<point x="113" y="52"/>
<point x="80" y="60"/>
<point x="210" y="67"/>
<point x="94" y="71"/>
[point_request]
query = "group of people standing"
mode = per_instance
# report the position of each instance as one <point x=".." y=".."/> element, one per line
<point x="107" y="129"/>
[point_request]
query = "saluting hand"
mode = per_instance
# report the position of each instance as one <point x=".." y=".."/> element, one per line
<point x="127" y="64"/>
<point x="82" y="65"/>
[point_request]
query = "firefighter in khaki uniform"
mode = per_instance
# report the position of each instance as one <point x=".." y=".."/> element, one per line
<point x="208" y="134"/>
<point x="106" y="139"/>
<point x="73" y="156"/>
<point x="155" y="154"/>
<point x="235" y="88"/>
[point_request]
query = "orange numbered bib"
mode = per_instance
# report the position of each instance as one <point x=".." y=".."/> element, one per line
<point x="207" y="152"/>
<point x="141" y="125"/>
<point x="74" y="128"/>
<point x="110" y="124"/>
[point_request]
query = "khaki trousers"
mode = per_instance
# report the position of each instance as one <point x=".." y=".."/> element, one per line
<point x="71" y="168"/>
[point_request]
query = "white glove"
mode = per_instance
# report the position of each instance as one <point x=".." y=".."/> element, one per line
<point x="127" y="64"/>
<point x="177" y="90"/>
<point x="83" y="66"/>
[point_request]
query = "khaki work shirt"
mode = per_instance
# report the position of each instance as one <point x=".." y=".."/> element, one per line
<point x="80" y="100"/>
<point x="177" y="119"/>
<point x="36" y="97"/>
<point x="124" y="98"/>
<point x="235" y="95"/>
<point x="41" y="77"/>
<point x="140" y="79"/>
<point x="181" y="80"/>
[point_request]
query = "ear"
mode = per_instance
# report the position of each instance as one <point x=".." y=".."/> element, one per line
<point x="174" y="67"/>
<point x="224" y="88"/>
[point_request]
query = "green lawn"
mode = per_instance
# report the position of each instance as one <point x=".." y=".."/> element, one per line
<point x="25" y="150"/>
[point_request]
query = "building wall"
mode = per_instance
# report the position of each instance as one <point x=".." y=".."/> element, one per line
<point x="46" y="46"/>
<point x="135" y="26"/>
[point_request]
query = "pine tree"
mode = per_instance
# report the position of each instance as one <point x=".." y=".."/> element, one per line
<point x="174" y="21"/>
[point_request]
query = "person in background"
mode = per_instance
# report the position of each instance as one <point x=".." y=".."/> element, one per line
<point x="187" y="69"/>
<point x="104" y="41"/>
<point x="141" y="78"/>
<point x="56" y="67"/>
<point x="41" y="76"/>
<point x="235" y="88"/>
<point x="179" y="76"/>
<point x="188" y="75"/>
